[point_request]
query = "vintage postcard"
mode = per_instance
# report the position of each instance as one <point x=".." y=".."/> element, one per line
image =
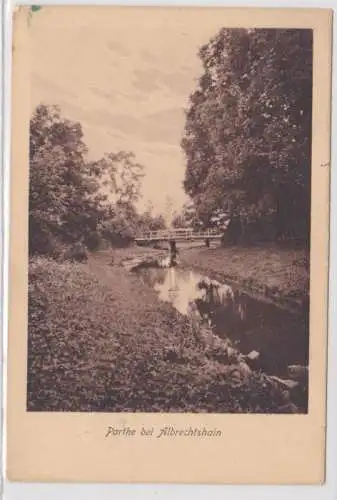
<point x="169" y="245"/>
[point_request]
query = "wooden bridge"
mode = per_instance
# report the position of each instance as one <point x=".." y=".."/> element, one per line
<point x="178" y="235"/>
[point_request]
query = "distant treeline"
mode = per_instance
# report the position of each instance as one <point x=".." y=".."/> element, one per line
<point x="72" y="199"/>
<point x="247" y="136"/>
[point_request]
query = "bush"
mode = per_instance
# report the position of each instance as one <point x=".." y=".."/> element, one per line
<point x="76" y="252"/>
<point x="93" y="241"/>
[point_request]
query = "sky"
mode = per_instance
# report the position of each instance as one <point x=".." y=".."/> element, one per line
<point x="126" y="75"/>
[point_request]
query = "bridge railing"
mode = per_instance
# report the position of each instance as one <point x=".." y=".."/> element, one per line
<point x="177" y="233"/>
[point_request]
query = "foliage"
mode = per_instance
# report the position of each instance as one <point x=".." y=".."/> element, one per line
<point x="187" y="217"/>
<point x="121" y="175"/>
<point x="248" y="127"/>
<point x="72" y="199"/>
<point x="76" y="253"/>
<point x="105" y="353"/>
<point x="150" y="222"/>
<point x="64" y="201"/>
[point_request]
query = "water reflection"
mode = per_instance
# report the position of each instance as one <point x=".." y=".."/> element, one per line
<point x="280" y="337"/>
<point x="177" y="286"/>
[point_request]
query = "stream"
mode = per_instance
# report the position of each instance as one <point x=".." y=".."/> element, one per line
<point x="280" y="337"/>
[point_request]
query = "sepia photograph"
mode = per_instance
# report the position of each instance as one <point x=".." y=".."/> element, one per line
<point x="169" y="219"/>
<point x="169" y="245"/>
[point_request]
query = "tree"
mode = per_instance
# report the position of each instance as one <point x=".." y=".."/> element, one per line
<point x="248" y="126"/>
<point x="71" y="199"/>
<point x="179" y="220"/>
<point x="59" y="184"/>
<point x="120" y="175"/>
<point x="120" y="225"/>
<point x="187" y="217"/>
<point x="150" y="222"/>
<point x="168" y="210"/>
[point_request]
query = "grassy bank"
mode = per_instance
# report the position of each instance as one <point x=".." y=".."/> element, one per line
<point x="101" y="341"/>
<point x="281" y="274"/>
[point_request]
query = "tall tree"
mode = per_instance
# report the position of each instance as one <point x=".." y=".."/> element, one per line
<point x="59" y="186"/>
<point x="187" y="217"/>
<point x="150" y="222"/>
<point x="120" y="175"/>
<point x="71" y="199"/>
<point x="248" y="128"/>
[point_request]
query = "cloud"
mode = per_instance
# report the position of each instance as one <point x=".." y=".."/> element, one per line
<point x="40" y="81"/>
<point x="146" y="80"/>
<point x="126" y="82"/>
<point x="104" y="95"/>
<point x="147" y="56"/>
<point x="170" y="116"/>
<point x="164" y="126"/>
<point x="117" y="48"/>
<point x="178" y="82"/>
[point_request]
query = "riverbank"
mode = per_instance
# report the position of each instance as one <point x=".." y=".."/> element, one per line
<point x="279" y="274"/>
<point x="99" y="340"/>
